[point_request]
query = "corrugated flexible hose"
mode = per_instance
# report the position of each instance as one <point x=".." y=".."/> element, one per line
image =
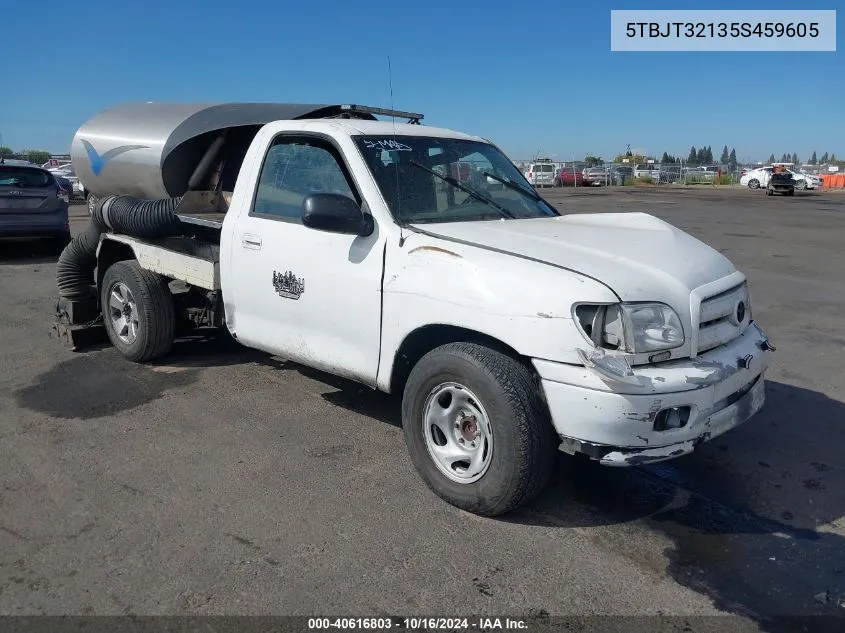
<point x="122" y="214"/>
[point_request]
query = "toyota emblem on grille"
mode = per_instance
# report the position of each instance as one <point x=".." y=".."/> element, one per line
<point x="740" y="312"/>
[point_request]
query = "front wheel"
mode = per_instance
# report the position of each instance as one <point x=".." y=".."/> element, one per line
<point x="476" y="428"/>
<point x="801" y="185"/>
<point x="138" y="311"/>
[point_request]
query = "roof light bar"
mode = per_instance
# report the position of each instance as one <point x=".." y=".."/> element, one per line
<point x="412" y="117"/>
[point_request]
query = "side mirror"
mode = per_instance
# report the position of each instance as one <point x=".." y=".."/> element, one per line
<point x="335" y="213"/>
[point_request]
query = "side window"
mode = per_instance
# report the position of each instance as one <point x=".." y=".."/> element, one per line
<point x="294" y="169"/>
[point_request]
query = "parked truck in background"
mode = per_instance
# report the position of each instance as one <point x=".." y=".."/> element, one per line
<point x="323" y="235"/>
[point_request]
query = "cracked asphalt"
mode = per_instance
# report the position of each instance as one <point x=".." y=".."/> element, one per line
<point x="225" y="481"/>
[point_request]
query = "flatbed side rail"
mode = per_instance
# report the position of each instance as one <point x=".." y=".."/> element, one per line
<point x="193" y="269"/>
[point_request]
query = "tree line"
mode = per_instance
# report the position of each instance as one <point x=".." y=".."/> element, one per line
<point x="704" y="156"/>
<point x="826" y="159"/>
<point x="37" y="156"/>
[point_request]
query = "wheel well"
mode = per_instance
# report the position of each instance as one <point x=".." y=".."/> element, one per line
<point x="110" y="253"/>
<point x="422" y="340"/>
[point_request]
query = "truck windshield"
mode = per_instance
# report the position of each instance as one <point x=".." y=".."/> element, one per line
<point x="460" y="180"/>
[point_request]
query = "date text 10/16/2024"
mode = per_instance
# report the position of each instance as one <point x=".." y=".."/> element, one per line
<point x="446" y="624"/>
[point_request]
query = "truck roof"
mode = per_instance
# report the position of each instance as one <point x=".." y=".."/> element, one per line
<point x="388" y="128"/>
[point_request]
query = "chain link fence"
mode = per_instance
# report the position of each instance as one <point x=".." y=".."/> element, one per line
<point x="580" y="174"/>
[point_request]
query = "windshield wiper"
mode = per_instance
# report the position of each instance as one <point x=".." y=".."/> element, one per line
<point x="510" y="184"/>
<point x="468" y="190"/>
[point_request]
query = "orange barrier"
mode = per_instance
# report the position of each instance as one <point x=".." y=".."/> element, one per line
<point x="833" y="181"/>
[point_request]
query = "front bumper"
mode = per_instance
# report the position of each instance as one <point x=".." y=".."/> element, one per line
<point x="614" y="423"/>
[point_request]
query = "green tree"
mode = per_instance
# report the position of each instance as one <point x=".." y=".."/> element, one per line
<point x="633" y="159"/>
<point x="833" y="158"/>
<point x="692" y="159"/>
<point x="726" y="156"/>
<point x="772" y="158"/>
<point x="825" y="159"/>
<point x="795" y="159"/>
<point x="5" y="151"/>
<point x="708" y="156"/>
<point x="701" y="156"/>
<point x="813" y="159"/>
<point x="592" y="161"/>
<point x="732" y="160"/>
<point x="37" y="156"/>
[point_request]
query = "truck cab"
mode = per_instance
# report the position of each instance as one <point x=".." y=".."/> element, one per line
<point x="509" y="330"/>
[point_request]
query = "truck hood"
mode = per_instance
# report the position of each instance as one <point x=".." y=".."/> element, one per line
<point x="638" y="256"/>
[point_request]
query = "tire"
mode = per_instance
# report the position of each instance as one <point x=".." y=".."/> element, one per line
<point x="497" y="398"/>
<point x="154" y="314"/>
<point x="791" y="192"/>
<point x="801" y="185"/>
<point x="753" y="184"/>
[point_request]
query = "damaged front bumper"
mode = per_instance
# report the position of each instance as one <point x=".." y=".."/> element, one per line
<point x="674" y="406"/>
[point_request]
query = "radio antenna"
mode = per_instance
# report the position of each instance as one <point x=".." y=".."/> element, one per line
<point x="395" y="164"/>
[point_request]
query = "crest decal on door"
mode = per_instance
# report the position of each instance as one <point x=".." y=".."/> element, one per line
<point x="288" y="285"/>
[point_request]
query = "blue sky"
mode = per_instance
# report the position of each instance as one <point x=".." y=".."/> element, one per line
<point x="528" y="76"/>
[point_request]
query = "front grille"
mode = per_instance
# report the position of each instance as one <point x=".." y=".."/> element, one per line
<point x="718" y="319"/>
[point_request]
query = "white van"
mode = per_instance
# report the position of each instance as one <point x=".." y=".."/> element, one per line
<point x="541" y="174"/>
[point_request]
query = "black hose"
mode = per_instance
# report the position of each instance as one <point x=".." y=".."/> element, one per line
<point x="122" y="214"/>
<point x="138" y="217"/>
<point x="75" y="269"/>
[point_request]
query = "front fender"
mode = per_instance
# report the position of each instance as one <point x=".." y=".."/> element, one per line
<point x="525" y="304"/>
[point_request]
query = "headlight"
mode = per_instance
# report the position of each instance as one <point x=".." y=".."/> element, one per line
<point x="634" y="328"/>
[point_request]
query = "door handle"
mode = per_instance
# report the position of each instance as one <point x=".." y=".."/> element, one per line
<point x="248" y="240"/>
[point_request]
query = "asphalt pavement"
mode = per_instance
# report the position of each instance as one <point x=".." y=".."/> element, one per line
<point x="225" y="481"/>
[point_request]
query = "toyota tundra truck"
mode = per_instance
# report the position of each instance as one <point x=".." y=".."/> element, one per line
<point x="327" y="236"/>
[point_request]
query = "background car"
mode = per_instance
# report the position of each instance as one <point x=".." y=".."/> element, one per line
<point x="33" y="204"/>
<point x="700" y="174"/>
<point x="568" y="177"/>
<point x="756" y="178"/>
<point x="647" y="171"/>
<point x="803" y="180"/>
<point x="66" y="171"/>
<point x="597" y="176"/>
<point x="759" y="177"/>
<point x="541" y="174"/>
<point x="781" y="182"/>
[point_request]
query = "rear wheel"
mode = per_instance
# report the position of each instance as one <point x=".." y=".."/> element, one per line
<point x="476" y="428"/>
<point x="138" y="311"/>
<point x="753" y="184"/>
<point x="800" y="185"/>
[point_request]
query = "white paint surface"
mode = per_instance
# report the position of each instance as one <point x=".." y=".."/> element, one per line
<point x="516" y="281"/>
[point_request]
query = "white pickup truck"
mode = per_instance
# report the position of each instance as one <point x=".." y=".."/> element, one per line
<point x="331" y="238"/>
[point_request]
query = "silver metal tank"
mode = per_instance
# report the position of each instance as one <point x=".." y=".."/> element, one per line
<point x="151" y="149"/>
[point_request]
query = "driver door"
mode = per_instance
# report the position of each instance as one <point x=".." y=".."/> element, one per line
<point x="307" y="295"/>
